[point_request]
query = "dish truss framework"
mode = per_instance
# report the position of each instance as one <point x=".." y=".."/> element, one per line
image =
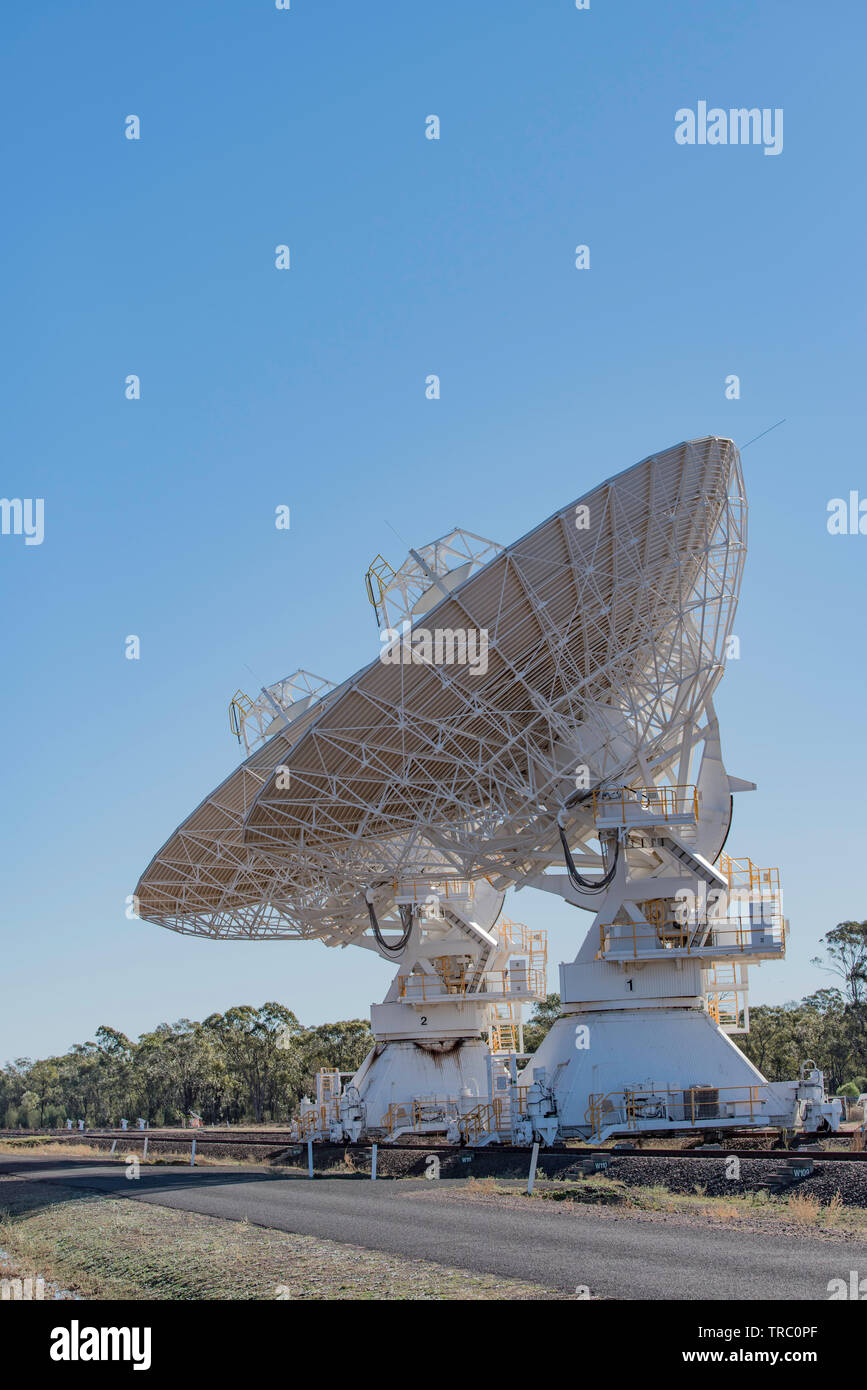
<point x="541" y="704"/>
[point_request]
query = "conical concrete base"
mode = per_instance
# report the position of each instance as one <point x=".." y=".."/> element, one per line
<point x="682" y="1071"/>
<point x="454" y="1070"/>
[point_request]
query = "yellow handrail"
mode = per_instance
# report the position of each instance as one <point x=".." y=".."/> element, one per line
<point x="424" y="888"/>
<point x="630" y="1103"/>
<point x="380" y="571"/>
<point x="494" y="982"/>
<point x="721" y="934"/>
<point x="743" y="873"/>
<point x="239" y="707"/>
<point x="482" y="1120"/>
<point x="664" y="802"/>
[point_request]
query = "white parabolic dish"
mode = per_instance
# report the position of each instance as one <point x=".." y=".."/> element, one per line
<point x="606" y="628"/>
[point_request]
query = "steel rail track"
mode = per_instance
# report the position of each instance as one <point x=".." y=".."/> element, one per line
<point x="283" y="1141"/>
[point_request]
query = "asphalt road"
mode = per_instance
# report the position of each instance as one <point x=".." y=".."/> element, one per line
<point x="615" y="1257"/>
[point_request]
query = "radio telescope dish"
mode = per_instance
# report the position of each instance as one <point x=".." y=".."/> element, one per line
<point x="513" y="686"/>
<point x="602" y="642"/>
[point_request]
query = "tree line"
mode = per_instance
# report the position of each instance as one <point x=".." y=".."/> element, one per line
<point x="829" y="1026"/>
<point x="246" y="1065"/>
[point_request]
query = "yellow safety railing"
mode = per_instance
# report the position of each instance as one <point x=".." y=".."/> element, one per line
<point x="420" y="890"/>
<point x="313" y="1121"/>
<point x="327" y="1084"/>
<point x="399" y="1115"/>
<point x="481" y="1119"/>
<point x="523" y="940"/>
<point x="724" y="1008"/>
<point x="696" y="938"/>
<point x="484" y="1119"/>
<point x="593" y="1113"/>
<point x="612" y="804"/>
<point x="424" y="987"/>
<point x="528" y="984"/>
<point x="504" y="1031"/>
<point x="725" y="991"/>
<point x="378" y="574"/>
<point x="743" y="873"/>
<point x="690" y="1105"/>
<point x="451" y="970"/>
<point x="654" y="910"/>
<point x="503" y="1037"/>
<point x="411" y="1114"/>
<point x="239" y="707"/>
<point x="723" y="975"/>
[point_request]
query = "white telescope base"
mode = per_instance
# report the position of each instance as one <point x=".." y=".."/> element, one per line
<point x="445" y="1076"/>
<point x="461" y="980"/>
<point x="654" y="1070"/>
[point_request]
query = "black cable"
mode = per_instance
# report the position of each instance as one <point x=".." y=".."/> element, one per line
<point x="585" y="885"/>
<point x="728" y="830"/>
<point x="405" y="917"/>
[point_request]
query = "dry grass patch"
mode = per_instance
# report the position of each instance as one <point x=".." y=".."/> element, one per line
<point x="48" y="1146"/>
<point x="51" y="1148"/>
<point x="104" y="1247"/>
<point x="805" y="1208"/>
<point x="757" y="1211"/>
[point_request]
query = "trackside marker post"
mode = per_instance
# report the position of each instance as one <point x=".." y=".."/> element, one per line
<point x="531" y="1176"/>
<point x="373" y="1163"/>
<point x="310" y="1158"/>
<point x="193" y="1154"/>
<point x="145" y="1153"/>
<point x="113" y="1148"/>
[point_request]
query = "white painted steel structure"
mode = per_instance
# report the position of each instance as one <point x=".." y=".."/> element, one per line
<point x="395" y="810"/>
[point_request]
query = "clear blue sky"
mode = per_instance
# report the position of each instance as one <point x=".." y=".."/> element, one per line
<point x="306" y="387"/>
